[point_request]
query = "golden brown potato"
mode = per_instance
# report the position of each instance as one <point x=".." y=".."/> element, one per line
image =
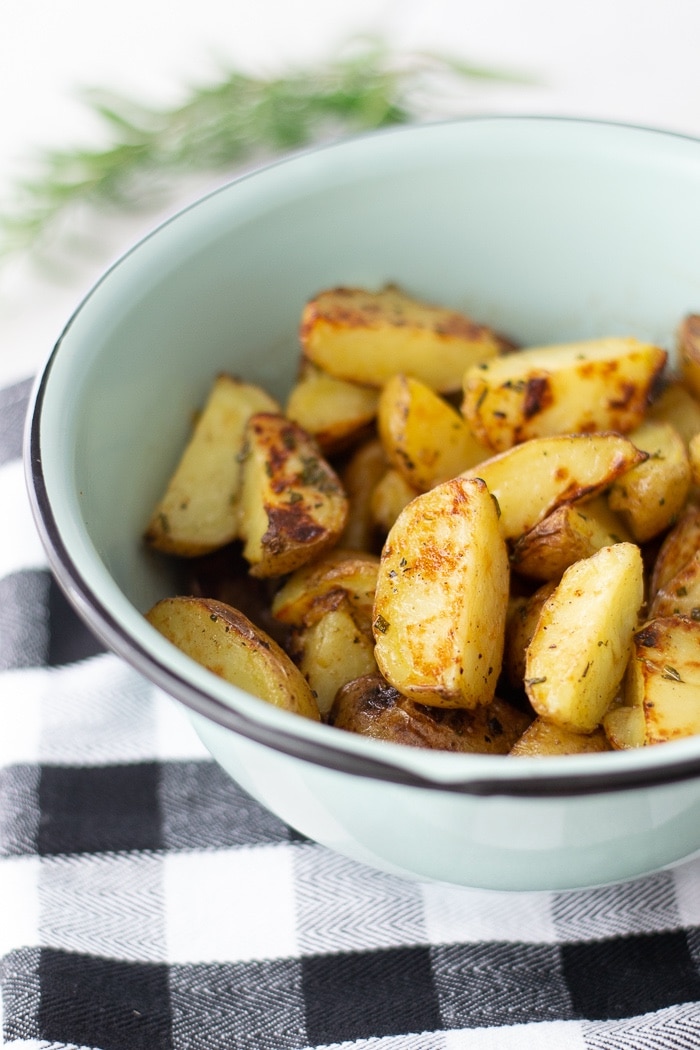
<point x="530" y="480"/>
<point x="424" y="437"/>
<point x="677" y="549"/>
<point x="688" y="343"/>
<point x="571" y="532"/>
<point x="361" y="473"/>
<point x="367" y="337"/>
<point x="600" y="384"/>
<point x="312" y="589"/>
<point x="679" y="596"/>
<point x="583" y="639"/>
<point x="441" y="597"/>
<point x="676" y="405"/>
<point x="335" y="412"/>
<point x="225" y="641"/>
<point x="650" y="496"/>
<point x="664" y="678"/>
<point x="198" y="512"/>
<point x="624" y="727"/>
<point x="391" y="494"/>
<point x="331" y="651"/>
<point x="292" y="506"/>
<point x="541" y="739"/>
<point x="372" y="707"/>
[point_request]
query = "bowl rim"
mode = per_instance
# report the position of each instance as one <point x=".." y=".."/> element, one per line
<point x="557" y="778"/>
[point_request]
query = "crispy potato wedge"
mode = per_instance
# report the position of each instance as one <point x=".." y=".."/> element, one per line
<point x="366" y="337"/>
<point x="339" y="574"/>
<point x="530" y="480"/>
<point x="541" y="739"/>
<point x="624" y="727"/>
<point x="678" y="547"/>
<point x="679" y="596"/>
<point x="335" y="412"/>
<point x="372" y="707"/>
<point x="225" y="641"/>
<point x="688" y="345"/>
<point x="664" y="678"/>
<point x="571" y="532"/>
<point x="198" y="511"/>
<point x="424" y="437"/>
<point x="441" y="598"/>
<point x="583" y="639"/>
<point x="292" y="505"/>
<point x="332" y="651"/>
<point x="600" y="384"/>
<point x="675" y="404"/>
<point x="390" y="495"/>
<point x="650" y="496"/>
<point x="359" y="476"/>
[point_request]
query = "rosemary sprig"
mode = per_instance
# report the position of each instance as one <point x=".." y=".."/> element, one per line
<point x="236" y="119"/>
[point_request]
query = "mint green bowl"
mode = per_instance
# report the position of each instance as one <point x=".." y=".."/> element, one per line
<point x="548" y="229"/>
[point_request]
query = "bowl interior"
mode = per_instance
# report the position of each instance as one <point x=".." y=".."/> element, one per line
<point x="548" y="229"/>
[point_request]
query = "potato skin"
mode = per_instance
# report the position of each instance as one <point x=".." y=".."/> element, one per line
<point x="227" y="643"/>
<point x="292" y="503"/>
<point x="371" y="707"/>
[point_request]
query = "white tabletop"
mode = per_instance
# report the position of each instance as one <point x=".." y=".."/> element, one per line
<point x="630" y="60"/>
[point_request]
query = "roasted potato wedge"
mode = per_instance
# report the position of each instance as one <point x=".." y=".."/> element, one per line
<point x="335" y="412"/>
<point x="333" y="650"/>
<point x="583" y="639"/>
<point x="678" y="547"/>
<point x="441" y="597"/>
<point x="424" y="437"/>
<point x="225" y="641"/>
<point x="391" y="494"/>
<point x="339" y="574"/>
<point x="371" y="707"/>
<point x="664" y="678"/>
<point x="680" y="596"/>
<point x="688" y="344"/>
<point x="367" y="337"/>
<point x="675" y="404"/>
<point x="650" y="496"/>
<point x="571" y="532"/>
<point x="198" y="511"/>
<point x="530" y="480"/>
<point x="600" y="384"/>
<point x="359" y="476"/>
<point x="624" y="727"/>
<point x="292" y="504"/>
<point x="541" y="739"/>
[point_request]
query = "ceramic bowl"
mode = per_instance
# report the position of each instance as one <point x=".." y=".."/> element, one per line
<point x="547" y="229"/>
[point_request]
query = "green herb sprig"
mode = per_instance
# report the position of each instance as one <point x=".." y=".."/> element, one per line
<point x="236" y="119"/>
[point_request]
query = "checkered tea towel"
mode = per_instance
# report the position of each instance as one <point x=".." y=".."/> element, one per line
<point x="147" y="902"/>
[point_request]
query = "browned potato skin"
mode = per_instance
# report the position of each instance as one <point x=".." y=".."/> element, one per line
<point x="371" y="707"/>
<point x="292" y="504"/>
<point x="367" y="337"/>
<point x="314" y="588"/>
<point x="680" y="596"/>
<point x="542" y="739"/>
<point x="229" y="645"/>
<point x="571" y="532"/>
<point x="677" y="549"/>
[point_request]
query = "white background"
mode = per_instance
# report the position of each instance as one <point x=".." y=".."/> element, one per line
<point x="630" y="60"/>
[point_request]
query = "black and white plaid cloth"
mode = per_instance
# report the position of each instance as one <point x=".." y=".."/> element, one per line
<point x="147" y="902"/>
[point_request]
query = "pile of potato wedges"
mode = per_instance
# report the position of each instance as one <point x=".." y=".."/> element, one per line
<point x="443" y="539"/>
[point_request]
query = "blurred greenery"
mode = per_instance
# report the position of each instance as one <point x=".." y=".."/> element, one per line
<point x="237" y="119"/>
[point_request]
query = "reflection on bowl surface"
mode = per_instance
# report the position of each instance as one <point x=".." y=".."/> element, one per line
<point x="546" y="229"/>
